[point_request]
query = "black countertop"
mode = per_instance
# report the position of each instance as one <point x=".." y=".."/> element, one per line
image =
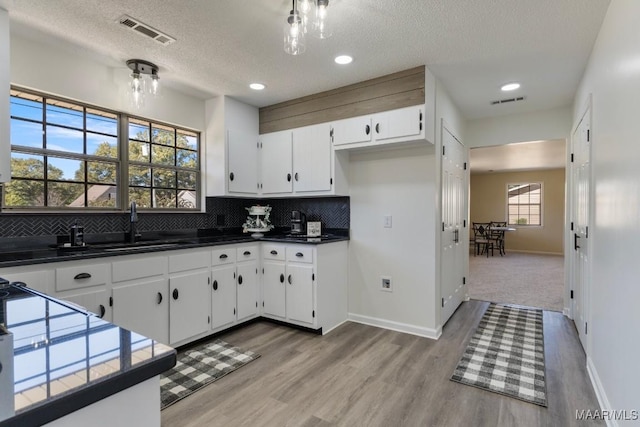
<point x="39" y="254"/>
<point x="57" y="359"/>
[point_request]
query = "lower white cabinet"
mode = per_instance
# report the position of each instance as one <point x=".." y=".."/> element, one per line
<point x="300" y="295"/>
<point x="247" y="281"/>
<point x="274" y="288"/>
<point x="143" y="308"/>
<point x="189" y="305"/>
<point x="97" y="302"/>
<point x="223" y="296"/>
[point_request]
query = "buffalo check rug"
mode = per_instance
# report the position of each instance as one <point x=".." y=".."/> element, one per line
<point x="199" y="366"/>
<point x="506" y="354"/>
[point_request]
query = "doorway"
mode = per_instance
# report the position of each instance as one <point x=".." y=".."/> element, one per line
<point x="522" y="184"/>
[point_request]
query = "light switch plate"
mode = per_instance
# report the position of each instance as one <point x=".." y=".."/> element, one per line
<point x="387" y="221"/>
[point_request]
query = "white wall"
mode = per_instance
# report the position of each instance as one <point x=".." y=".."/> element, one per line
<point x="536" y="126"/>
<point x="613" y="79"/>
<point x="49" y="69"/>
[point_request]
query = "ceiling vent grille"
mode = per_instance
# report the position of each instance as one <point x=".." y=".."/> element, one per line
<point x="505" y="101"/>
<point x="144" y="29"/>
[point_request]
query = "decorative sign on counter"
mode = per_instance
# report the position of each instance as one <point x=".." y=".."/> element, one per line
<point x="314" y="228"/>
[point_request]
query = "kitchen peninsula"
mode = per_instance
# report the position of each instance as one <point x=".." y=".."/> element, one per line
<point x="62" y="366"/>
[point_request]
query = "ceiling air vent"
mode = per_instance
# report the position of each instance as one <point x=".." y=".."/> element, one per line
<point x="505" y="101"/>
<point x="146" y="30"/>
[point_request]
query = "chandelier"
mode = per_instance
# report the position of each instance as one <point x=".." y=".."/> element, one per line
<point x="306" y="16"/>
<point x="140" y="85"/>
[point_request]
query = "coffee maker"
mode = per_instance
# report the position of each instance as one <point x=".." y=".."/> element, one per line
<point x="298" y="222"/>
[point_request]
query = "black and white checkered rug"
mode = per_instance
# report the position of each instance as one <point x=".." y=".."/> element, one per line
<point x="200" y="366"/>
<point x="506" y="354"/>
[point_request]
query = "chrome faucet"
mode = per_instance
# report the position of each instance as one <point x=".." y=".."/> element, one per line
<point x="133" y="222"/>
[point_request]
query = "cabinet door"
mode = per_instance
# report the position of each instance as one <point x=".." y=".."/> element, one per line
<point x="189" y="310"/>
<point x="273" y="288"/>
<point x="243" y="162"/>
<point x="97" y="302"/>
<point x="400" y="123"/>
<point x="247" y="280"/>
<point x="312" y="158"/>
<point x="351" y="131"/>
<point x="143" y="308"/>
<point x="223" y="296"/>
<point x="276" y="162"/>
<point x="300" y="293"/>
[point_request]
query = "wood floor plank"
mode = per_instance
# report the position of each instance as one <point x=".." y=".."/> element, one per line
<point x="362" y="375"/>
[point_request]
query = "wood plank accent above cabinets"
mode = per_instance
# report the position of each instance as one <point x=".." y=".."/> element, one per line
<point x="389" y="92"/>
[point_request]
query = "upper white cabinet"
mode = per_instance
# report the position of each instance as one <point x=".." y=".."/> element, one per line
<point x="276" y="161"/>
<point x="403" y="125"/>
<point x="243" y="162"/>
<point x="5" y="142"/>
<point x="312" y="158"/>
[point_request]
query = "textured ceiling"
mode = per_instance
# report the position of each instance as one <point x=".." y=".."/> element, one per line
<point x="520" y="156"/>
<point x="473" y="47"/>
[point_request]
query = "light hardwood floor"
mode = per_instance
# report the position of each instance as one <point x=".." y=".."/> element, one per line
<point x="359" y="375"/>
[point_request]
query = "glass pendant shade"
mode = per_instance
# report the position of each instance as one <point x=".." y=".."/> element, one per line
<point x="294" y="40"/>
<point x="321" y="26"/>
<point x="137" y="90"/>
<point x="144" y="81"/>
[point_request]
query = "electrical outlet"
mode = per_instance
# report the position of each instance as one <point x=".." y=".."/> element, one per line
<point x="387" y="221"/>
<point x="385" y="283"/>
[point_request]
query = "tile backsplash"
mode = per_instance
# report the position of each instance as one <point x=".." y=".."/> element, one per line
<point x="221" y="212"/>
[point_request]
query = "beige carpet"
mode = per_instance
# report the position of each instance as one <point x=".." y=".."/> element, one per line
<point x="517" y="278"/>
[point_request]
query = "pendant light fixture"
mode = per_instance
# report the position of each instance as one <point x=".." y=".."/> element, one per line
<point x="321" y="26"/>
<point x="294" y="42"/>
<point x="138" y="88"/>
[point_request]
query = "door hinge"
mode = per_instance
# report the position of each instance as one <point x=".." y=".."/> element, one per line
<point x="464" y="280"/>
<point x="588" y="139"/>
<point x="571" y="225"/>
<point x="464" y="223"/>
<point x="313" y="313"/>
<point x="443" y="150"/>
<point x="465" y="165"/>
<point x="586" y="234"/>
<point x="256" y="304"/>
<point x="571" y="157"/>
<point x="256" y="271"/>
<point x="443" y="302"/>
<point x="586" y="328"/>
<point x="262" y="303"/>
<point x="110" y="301"/>
<point x="571" y="294"/>
<point x="208" y="280"/>
<point x="313" y="277"/>
<point x="330" y="181"/>
<point x="234" y="311"/>
<point x="443" y="226"/>
<point x="263" y="270"/>
<point x="208" y="319"/>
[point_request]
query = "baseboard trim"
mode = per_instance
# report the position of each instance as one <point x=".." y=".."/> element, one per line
<point x="339" y="324"/>
<point x="420" y="331"/>
<point x="534" y="252"/>
<point x="600" y="393"/>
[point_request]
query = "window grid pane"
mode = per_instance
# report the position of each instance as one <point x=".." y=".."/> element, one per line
<point x="524" y="204"/>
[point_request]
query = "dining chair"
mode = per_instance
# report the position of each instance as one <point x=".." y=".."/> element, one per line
<point x="497" y="236"/>
<point x="482" y="243"/>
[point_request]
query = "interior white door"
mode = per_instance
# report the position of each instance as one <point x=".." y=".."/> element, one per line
<point x="277" y="176"/>
<point x="453" y="232"/>
<point x="581" y="188"/>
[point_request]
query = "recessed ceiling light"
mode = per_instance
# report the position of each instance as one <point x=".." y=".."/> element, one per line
<point x="510" y="86"/>
<point x="343" y="59"/>
<point x="257" y="86"/>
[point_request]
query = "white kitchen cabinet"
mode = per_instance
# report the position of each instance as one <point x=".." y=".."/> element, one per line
<point x="400" y="126"/>
<point x="189" y="305"/>
<point x="273" y="280"/>
<point x="223" y="296"/>
<point x="312" y="159"/>
<point x="5" y="140"/>
<point x="242" y="161"/>
<point x="143" y="307"/>
<point x="94" y="301"/>
<point x="300" y="293"/>
<point x="39" y="280"/>
<point x="276" y="163"/>
<point x="247" y="281"/>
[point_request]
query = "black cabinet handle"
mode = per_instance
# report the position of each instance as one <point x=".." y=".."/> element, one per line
<point x="289" y="280"/>
<point x="215" y="285"/>
<point x="274" y="252"/>
<point x="420" y="115"/>
<point x="81" y="276"/>
<point x="575" y="241"/>
<point x="367" y="129"/>
<point x="159" y="300"/>
<point x="223" y="256"/>
<point x="247" y="253"/>
<point x="175" y="294"/>
<point x="239" y="279"/>
<point x="102" y="311"/>
<point x="377" y="127"/>
<point x="288" y="177"/>
<point x="281" y="278"/>
<point x="299" y="254"/>
<point x="231" y="176"/>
